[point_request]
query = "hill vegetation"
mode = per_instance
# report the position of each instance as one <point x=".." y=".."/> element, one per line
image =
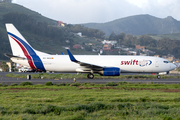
<point x="139" y="25"/>
<point x="15" y="8"/>
<point x="174" y="36"/>
<point x="41" y="32"/>
<point x="45" y="35"/>
<point x="163" y="46"/>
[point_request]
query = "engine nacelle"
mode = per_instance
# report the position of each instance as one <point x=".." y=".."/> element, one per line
<point x="110" y="71"/>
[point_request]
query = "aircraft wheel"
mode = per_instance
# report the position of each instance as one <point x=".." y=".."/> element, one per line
<point x="158" y="77"/>
<point x="90" y="76"/>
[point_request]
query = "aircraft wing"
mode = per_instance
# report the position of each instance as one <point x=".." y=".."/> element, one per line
<point x="86" y="65"/>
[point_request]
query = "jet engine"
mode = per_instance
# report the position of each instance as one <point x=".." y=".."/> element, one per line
<point x="110" y="71"/>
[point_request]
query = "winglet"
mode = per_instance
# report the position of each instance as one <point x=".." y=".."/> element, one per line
<point x="73" y="59"/>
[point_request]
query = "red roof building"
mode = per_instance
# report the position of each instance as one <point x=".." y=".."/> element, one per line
<point x="140" y="47"/>
<point x="77" y="46"/>
<point x="107" y="47"/>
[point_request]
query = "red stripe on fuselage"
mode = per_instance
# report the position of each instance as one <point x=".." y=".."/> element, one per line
<point x="25" y="53"/>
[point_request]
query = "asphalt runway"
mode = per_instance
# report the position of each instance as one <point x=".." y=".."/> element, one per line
<point x="9" y="81"/>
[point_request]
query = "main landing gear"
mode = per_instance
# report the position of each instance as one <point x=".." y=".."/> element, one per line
<point x="90" y="76"/>
<point x="158" y="76"/>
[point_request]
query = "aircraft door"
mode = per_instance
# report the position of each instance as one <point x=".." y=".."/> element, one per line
<point x="157" y="63"/>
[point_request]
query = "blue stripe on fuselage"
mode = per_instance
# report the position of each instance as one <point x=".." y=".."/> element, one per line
<point x="36" y="59"/>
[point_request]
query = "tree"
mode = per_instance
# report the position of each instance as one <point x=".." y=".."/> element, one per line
<point x="146" y="40"/>
<point x="89" y="32"/>
<point x="128" y="39"/>
<point x="4" y="67"/>
<point x="112" y="36"/>
<point x="121" y="37"/>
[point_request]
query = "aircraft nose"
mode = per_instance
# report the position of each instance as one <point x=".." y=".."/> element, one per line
<point x="173" y="66"/>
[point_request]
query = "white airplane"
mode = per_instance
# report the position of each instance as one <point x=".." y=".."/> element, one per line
<point x="106" y="65"/>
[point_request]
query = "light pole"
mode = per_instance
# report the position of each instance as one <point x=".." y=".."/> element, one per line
<point x="119" y="45"/>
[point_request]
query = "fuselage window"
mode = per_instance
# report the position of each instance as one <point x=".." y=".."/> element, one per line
<point x="166" y="61"/>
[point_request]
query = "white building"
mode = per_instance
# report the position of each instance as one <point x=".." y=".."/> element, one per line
<point x="79" y="34"/>
<point x="109" y="42"/>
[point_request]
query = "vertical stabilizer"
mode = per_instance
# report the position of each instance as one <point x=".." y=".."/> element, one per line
<point x="21" y="48"/>
<point x="14" y="35"/>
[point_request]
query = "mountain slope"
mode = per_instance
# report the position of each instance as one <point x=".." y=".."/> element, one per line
<point x="9" y="7"/>
<point x="139" y="25"/>
<point x="33" y="26"/>
<point x="42" y="33"/>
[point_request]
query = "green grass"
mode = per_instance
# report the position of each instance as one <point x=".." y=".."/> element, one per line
<point x="174" y="36"/>
<point x="90" y="101"/>
<point x="84" y="76"/>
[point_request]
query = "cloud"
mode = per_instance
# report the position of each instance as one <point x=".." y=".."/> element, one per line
<point x="85" y="11"/>
<point x="163" y="8"/>
<point x="139" y="3"/>
<point x="81" y="11"/>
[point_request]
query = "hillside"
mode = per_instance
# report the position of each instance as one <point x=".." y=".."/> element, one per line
<point x="41" y="32"/>
<point x="9" y="7"/>
<point x="45" y="35"/>
<point x="19" y="15"/>
<point x="174" y="36"/>
<point x="139" y="25"/>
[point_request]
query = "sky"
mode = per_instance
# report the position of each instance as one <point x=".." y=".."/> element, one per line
<point x="101" y="11"/>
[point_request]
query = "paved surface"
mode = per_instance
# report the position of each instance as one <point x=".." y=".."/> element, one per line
<point x="8" y="81"/>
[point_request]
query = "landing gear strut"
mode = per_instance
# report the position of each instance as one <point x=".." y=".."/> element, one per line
<point x="90" y="76"/>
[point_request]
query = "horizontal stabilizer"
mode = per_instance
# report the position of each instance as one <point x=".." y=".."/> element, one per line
<point x="12" y="56"/>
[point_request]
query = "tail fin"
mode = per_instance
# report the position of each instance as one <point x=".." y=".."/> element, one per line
<point x="19" y="45"/>
<point x="22" y="49"/>
<point x="17" y="41"/>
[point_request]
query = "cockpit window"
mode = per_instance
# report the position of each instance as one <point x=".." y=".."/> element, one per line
<point x="166" y="61"/>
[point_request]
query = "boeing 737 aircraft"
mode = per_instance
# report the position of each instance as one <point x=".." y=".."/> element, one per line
<point x="106" y="65"/>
